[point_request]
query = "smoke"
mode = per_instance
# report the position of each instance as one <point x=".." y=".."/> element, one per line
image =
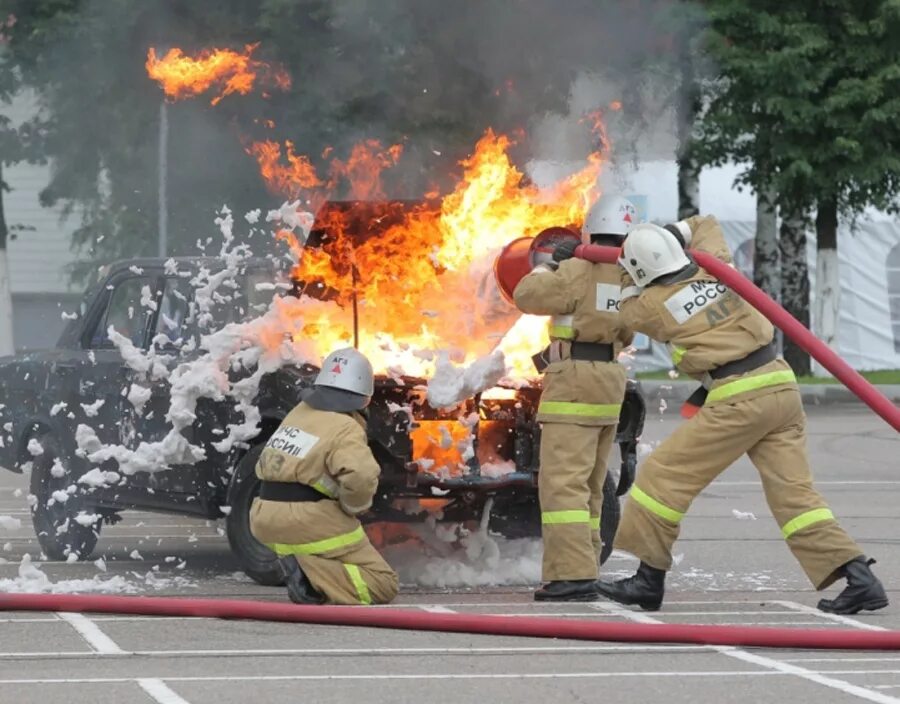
<point x="427" y="74"/>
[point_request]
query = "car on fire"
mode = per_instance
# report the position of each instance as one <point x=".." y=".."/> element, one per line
<point x="46" y="396"/>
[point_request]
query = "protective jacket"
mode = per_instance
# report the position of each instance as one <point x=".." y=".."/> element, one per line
<point x="583" y="300"/>
<point x="705" y="324"/>
<point x="328" y="452"/>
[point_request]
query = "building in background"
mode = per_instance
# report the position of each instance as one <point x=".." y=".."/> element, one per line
<point x="38" y="257"/>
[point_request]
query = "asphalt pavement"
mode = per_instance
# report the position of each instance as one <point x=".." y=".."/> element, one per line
<point x="733" y="568"/>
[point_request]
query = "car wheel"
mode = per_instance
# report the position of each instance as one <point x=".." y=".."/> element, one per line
<point x="609" y="517"/>
<point x="55" y="522"/>
<point x="516" y="516"/>
<point x="258" y="562"/>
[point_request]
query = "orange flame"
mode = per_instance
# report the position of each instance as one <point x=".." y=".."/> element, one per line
<point x="422" y="273"/>
<point x="182" y="76"/>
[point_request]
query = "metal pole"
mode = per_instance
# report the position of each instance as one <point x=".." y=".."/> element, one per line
<point x="355" y="308"/>
<point x="163" y="218"/>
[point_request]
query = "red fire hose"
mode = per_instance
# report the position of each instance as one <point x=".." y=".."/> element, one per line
<point x="531" y="627"/>
<point x="808" y="342"/>
<point x="534" y="627"/>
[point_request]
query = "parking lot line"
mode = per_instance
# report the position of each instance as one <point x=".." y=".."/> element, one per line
<point x="373" y="652"/>
<point x="436" y="609"/>
<point x="837" y="618"/>
<point x="770" y="663"/>
<point x="90" y="631"/>
<point x="160" y="692"/>
<point x="417" y="676"/>
<point x="784" y="670"/>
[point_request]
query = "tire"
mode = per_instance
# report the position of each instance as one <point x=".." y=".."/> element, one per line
<point x="258" y="562"/>
<point x="522" y="518"/>
<point x="517" y="517"/>
<point x="58" y="534"/>
<point x="610" y="514"/>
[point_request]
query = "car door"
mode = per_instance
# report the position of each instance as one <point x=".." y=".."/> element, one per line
<point x="127" y="305"/>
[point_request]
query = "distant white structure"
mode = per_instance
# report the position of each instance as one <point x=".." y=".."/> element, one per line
<point x="37" y="259"/>
<point x="869" y="257"/>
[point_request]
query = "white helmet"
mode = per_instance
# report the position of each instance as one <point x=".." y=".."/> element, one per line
<point x="651" y="251"/>
<point x="345" y="383"/>
<point x="610" y="215"/>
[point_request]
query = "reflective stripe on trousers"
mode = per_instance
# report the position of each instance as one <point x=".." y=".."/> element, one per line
<point x="319" y="546"/>
<point x="654" y="506"/>
<point x="555" y="518"/>
<point x="804" y="520"/>
<point x="362" y="589"/>
<point x="750" y="383"/>
<point x="586" y="410"/>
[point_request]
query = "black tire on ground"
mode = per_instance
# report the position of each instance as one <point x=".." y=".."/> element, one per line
<point x="521" y="518"/>
<point x="609" y="517"/>
<point x="57" y="531"/>
<point x="258" y="562"/>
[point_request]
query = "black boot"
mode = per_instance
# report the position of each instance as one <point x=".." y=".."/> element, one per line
<point x="863" y="591"/>
<point x="569" y="590"/>
<point x="645" y="588"/>
<point x="299" y="589"/>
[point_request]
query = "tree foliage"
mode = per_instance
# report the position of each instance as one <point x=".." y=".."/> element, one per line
<point x="808" y="100"/>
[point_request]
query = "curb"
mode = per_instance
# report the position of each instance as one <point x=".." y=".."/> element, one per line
<point x="677" y="391"/>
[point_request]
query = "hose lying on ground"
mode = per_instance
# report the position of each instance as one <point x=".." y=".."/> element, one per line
<point x="808" y="342"/>
<point x="530" y="626"/>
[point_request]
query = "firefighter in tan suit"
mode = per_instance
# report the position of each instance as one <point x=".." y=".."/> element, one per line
<point x="583" y="389"/>
<point x="752" y="405"/>
<point x="318" y="474"/>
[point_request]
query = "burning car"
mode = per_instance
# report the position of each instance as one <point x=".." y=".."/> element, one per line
<point x="137" y="408"/>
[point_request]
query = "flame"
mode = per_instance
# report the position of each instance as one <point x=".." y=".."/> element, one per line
<point x="182" y="76"/>
<point x="421" y="274"/>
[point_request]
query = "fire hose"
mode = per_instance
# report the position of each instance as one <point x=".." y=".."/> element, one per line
<point x="486" y="624"/>
<point x="533" y="627"/>
<point x="791" y="327"/>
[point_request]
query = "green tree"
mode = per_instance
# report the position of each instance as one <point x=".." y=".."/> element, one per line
<point x="809" y="102"/>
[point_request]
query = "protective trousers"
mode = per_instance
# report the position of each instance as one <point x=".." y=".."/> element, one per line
<point x="331" y="547"/>
<point x="771" y="430"/>
<point x="570" y="488"/>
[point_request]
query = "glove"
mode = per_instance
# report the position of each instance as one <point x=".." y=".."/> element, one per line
<point x="565" y="250"/>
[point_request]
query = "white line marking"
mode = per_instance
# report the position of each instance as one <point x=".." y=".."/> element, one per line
<point x="429" y="676"/>
<point x="833" y="482"/>
<point x="436" y="609"/>
<point x="160" y="692"/>
<point x="837" y="618"/>
<point x="770" y="663"/>
<point x="773" y="672"/>
<point x="863" y="659"/>
<point x="375" y="652"/>
<point x="93" y="636"/>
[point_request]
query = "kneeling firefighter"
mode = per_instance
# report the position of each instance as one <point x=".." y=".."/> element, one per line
<point x="318" y="474"/>
<point x="751" y="404"/>
<point x="583" y="390"/>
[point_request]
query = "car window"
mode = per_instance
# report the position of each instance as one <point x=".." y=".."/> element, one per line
<point x="126" y="313"/>
<point x="174" y="308"/>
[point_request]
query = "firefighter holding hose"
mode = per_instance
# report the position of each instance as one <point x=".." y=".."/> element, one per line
<point x="752" y="405"/>
<point x="583" y="389"/>
<point x="318" y="474"/>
